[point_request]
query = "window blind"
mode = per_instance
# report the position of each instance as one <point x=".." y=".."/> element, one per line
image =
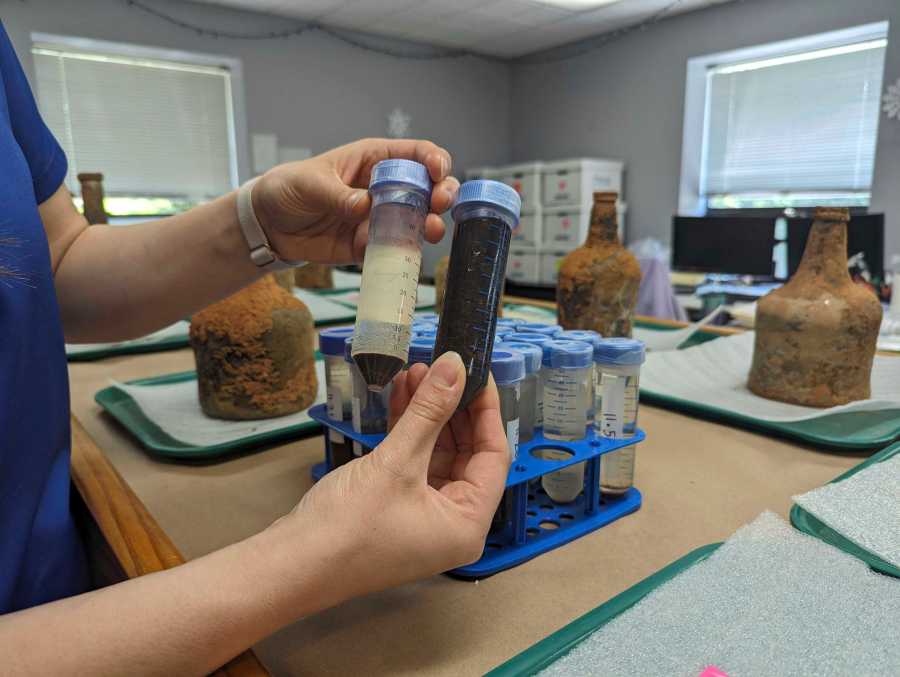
<point x="152" y="127"/>
<point x="800" y="123"/>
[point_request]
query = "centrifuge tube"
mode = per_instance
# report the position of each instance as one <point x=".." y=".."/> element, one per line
<point x="538" y="340"/>
<point x="568" y="366"/>
<point x="369" y="408"/>
<point x="508" y="368"/>
<point x="338" y="390"/>
<point x="592" y="337"/>
<point x="528" y="389"/>
<point x="619" y="361"/>
<point x="485" y="214"/>
<point x="401" y="195"/>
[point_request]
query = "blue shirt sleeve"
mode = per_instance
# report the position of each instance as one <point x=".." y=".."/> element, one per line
<point x="45" y="157"/>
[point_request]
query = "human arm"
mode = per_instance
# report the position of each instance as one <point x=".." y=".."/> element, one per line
<point x="115" y="283"/>
<point x="395" y="515"/>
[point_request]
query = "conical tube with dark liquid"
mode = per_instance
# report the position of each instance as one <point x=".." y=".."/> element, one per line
<point x="401" y="194"/>
<point x="485" y="213"/>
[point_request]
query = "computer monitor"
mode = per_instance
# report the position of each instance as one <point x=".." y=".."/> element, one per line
<point x="865" y="233"/>
<point x="740" y="245"/>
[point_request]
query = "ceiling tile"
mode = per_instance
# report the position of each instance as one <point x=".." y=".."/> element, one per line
<point x="500" y="27"/>
<point x="305" y="9"/>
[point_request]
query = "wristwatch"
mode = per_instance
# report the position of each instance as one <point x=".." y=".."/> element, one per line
<point x="261" y="252"/>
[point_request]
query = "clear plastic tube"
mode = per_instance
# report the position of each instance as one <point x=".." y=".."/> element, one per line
<point x="400" y="191"/>
<point x="339" y="405"/>
<point x="538" y="340"/>
<point x="567" y="396"/>
<point x="508" y="368"/>
<point x="332" y="345"/>
<point x="509" y="413"/>
<point x="527" y="397"/>
<point x="533" y="356"/>
<point x="485" y="214"/>
<point x="617" y="416"/>
<point x="616" y="405"/>
<point x="594" y="338"/>
<point x="368" y="408"/>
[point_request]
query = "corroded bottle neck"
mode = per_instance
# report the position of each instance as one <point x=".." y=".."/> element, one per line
<point x="825" y="255"/>
<point x="604" y="222"/>
<point x="92" y="197"/>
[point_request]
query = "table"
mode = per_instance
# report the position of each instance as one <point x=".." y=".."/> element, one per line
<point x="700" y="481"/>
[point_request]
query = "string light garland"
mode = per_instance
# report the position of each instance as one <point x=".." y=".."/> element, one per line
<point x="428" y="54"/>
<point x="577" y="49"/>
<point x="552" y="55"/>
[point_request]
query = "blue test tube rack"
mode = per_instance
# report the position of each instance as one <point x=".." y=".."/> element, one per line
<point x="537" y="524"/>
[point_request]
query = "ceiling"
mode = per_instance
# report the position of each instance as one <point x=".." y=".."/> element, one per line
<point x="502" y="28"/>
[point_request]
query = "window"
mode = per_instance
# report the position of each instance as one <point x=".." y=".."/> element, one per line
<point x="160" y="125"/>
<point x="792" y="124"/>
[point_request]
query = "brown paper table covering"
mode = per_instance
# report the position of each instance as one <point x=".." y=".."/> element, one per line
<point x="700" y="481"/>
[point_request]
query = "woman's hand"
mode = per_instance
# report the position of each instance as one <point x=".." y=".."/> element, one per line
<point x="317" y="209"/>
<point x="422" y="502"/>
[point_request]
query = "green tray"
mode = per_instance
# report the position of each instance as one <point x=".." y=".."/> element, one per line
<point x="853" y="431"/>
<point x="809" y="524"/>
<point x="128" y="348"/>
<point x="125" y="410"/>
<point x="171" y="343"/>
<point x="702" y="335"/>
<point x="552" y="648"/>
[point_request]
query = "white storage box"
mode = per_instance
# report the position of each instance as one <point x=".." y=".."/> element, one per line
<point x="572" y="182"/>
<point x="567" y="227"/>
<point x="528" y="232"/>
<point x="525" y="179"/>
<point x="482" y="173"/>
<point x="550" y="262"/>
<point x="523" y="265"/>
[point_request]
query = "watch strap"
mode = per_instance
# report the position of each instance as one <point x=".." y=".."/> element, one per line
<point x="261" y="252"/>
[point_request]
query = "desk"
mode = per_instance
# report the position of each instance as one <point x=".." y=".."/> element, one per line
<point x="700" y="481"/>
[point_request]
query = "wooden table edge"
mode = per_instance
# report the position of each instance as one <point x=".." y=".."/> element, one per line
<point x="122" y="538"/>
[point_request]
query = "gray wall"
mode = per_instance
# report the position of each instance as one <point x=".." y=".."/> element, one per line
<point x="623" y="100"/>
<point x="626" y="99"/>
<point x="310" y="90"/>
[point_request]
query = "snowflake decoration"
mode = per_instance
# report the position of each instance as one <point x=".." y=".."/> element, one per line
<point x="398" y="123"/>
<point x="892" y="101"/>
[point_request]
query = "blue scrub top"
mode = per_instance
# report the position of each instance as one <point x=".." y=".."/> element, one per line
<point x="41" y="557"/>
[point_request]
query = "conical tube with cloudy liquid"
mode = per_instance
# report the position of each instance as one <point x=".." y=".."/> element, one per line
<point x="401" y="194"/>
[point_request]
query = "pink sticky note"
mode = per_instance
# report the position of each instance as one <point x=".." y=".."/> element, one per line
<point x="712" y="671"/>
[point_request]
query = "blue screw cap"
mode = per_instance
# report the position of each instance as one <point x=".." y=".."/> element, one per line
<point x="585" y="335"/>
<point x="568" y="354"/>
<point x="530" y="351"/>
<point x="331" y="341"/>
<point x="539" y="340"/>
<point x="421" y="326"/>
<point x="491" y="194"/>
<point x="507" y="366"/>
<point x="421" y="349"/>
<point x="620" y="351"/>
<point x="406" y="172"/>
<point x="427" y="317"/>
<point x="539" y="328"/>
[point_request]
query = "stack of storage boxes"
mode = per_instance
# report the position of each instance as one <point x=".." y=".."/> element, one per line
<point x="556" y="211"/>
